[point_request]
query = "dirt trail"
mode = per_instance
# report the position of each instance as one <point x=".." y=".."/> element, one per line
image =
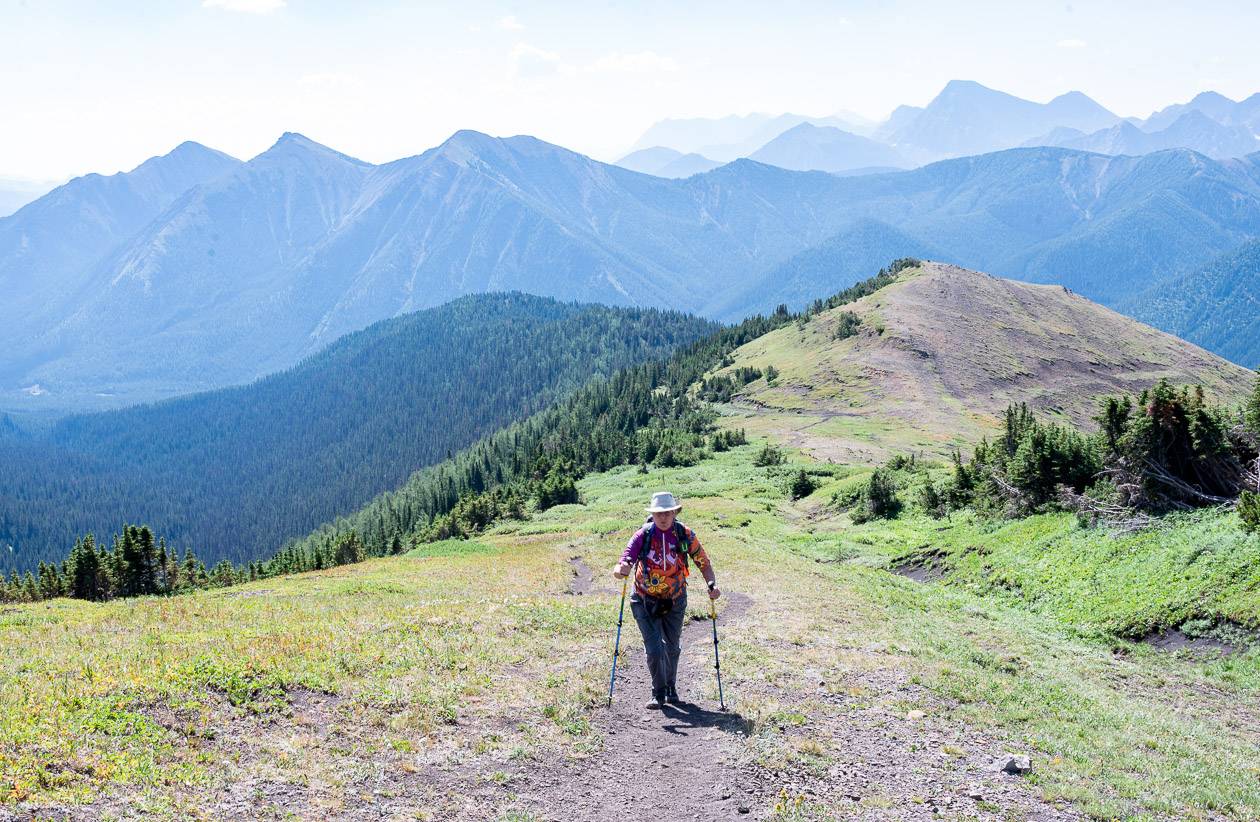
<point x="583" y="582"/>
<point x="696" y="762"/>
<point x="680" y="762"/>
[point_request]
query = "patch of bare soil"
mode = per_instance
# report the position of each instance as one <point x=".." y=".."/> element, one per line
<point x="1174" y="640"/>
<point x="583" y="582"/>
<point x="924" y="566"/>
<point x="919" y="571"/>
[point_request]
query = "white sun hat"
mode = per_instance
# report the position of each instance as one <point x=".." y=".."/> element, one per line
<point x="663" y="501"/>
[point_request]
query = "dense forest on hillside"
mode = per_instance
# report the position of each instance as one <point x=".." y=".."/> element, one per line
<point x="235" y="473"/>
<point x="645" y="414"/>
<point x="1217" y="307"/>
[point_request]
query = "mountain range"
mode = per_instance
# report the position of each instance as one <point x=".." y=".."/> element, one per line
<point x="196" y="270"/>
<point x="965" y="118"/>
<point x="1193" y="129"/>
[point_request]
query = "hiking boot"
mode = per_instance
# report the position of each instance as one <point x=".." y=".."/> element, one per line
<point x="658" y="699"/>
<point x="671" y="696"/>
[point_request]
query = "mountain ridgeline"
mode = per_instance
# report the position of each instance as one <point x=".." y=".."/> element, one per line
<point x="236" y="472"/>
<point x="266" y="262"/>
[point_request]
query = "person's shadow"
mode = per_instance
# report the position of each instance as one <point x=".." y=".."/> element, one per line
<point x="688" y="715"/>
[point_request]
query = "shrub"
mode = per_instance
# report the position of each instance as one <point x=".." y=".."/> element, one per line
<point x="931" y="501"/>
<point x="801" y="485"/>
<point x="881" y="496"/>
<point x="878" y="500"/>
<point x="726" y="440"/>
<point x="1249" y="510"/>
<point x="848" y="325"/>
<point x="768" y="455"/>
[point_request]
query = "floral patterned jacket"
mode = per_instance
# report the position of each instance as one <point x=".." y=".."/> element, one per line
<point x="660" y="568"/>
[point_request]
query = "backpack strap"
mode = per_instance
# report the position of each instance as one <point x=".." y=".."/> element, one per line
<point x="681" y="543"/>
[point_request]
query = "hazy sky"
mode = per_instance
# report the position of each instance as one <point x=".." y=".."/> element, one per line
<point x="100" y="86"/>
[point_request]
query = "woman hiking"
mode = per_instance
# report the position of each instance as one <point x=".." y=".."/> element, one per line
<point x="659" y="552"/>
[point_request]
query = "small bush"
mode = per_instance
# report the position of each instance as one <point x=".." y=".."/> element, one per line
<point x="772" y="374"/>
<point x="931" y="501"/>
<point x="1249" y="511"/>
<point x="801" y="485"/>
<point x="879" y="498"/>
<point x="881" y="495"/>
<point x="769" y="455"/>
<point x="848" y="326"/>
<point x="901" y="462"/>
<point x="726" y="440"/>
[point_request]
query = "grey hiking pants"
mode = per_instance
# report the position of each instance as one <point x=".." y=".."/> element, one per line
<point x="662" y="636"/>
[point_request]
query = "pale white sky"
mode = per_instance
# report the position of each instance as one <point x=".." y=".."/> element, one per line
<point x="92" y="86"/>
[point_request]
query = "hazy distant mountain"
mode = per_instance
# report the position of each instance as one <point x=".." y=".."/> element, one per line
<point x="16" y="193"/>
<point x="1245" y="113"/>
<point x="855" y="252"/>
<point x="968" y="118"/>
<point x="666" y="162"/>
<point x="727" y="138"/>
<point x="823" y="148"/>
<point x="1104" y="226"/>
<point x="901" y="117"/>
<point x="280" y="256"/>
<point x="1193" y="130"/>
<point x="1217" y="307"/>
<point x="49" y="248"/>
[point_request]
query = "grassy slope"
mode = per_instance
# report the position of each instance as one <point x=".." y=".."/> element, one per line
<point x="942" y="352"/>
<point x="477" y="657"/>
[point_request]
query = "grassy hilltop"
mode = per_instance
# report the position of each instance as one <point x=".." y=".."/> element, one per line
<point x="930" y="362"/>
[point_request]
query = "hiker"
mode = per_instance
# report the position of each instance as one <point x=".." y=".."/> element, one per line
<point x="659" y="552"/>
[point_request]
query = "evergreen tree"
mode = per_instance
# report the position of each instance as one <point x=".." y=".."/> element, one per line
<point x="349" y="549"/>
<point x="85" y="570"/>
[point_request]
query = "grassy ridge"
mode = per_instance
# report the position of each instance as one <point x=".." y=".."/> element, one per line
<point x="478" y="659"/>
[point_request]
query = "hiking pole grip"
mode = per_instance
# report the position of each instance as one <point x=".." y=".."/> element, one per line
<point x="717" y="660"/>
<point x="621" y="614"/>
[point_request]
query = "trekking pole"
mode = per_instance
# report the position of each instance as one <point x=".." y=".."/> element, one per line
<point x="617" y="645"/>
<point x="717" y="662"/>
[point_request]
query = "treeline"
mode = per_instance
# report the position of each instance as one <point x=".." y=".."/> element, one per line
<point x="134" y="563"/>
<point x="1167" y="449"/>
<point x="238" y="472"/>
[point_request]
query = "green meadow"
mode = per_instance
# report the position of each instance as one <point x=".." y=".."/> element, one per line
<point x="477" y="653"/>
